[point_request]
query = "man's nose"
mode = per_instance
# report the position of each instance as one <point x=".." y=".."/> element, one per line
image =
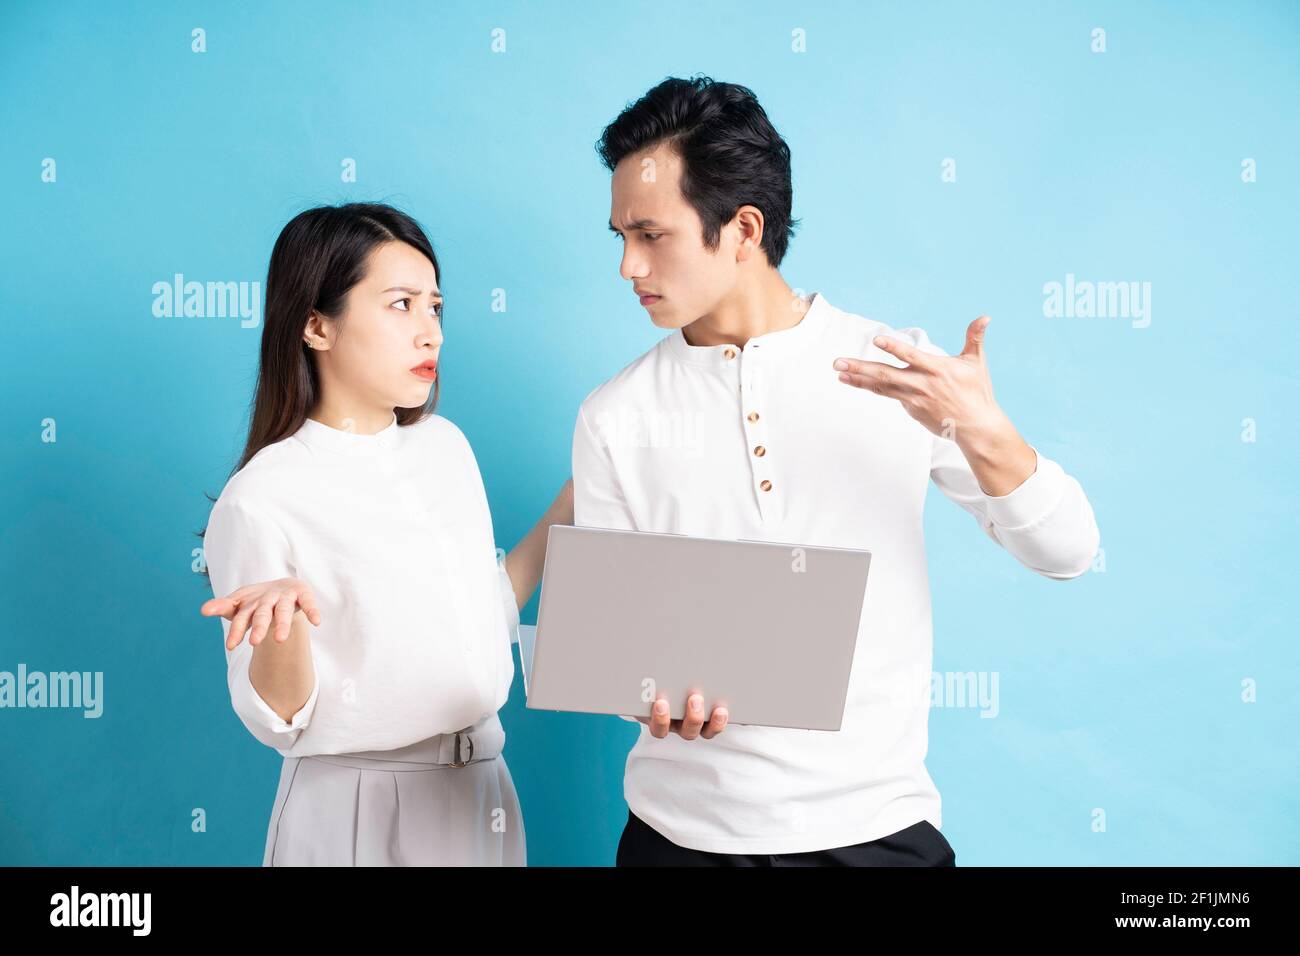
<point x="632" y="266"/>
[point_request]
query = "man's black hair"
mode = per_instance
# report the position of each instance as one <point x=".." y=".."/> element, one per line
<point x="732" y="155"/>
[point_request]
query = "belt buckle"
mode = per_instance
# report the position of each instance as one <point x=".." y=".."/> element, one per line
<point x="457" y="762"/>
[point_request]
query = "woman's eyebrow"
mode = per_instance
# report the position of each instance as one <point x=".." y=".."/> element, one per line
<point x="403" y="288"/>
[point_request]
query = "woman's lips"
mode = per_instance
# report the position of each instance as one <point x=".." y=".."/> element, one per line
<point x="425" y="372"/>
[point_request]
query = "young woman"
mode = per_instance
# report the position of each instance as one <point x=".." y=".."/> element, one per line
<point x="356" y="508"/>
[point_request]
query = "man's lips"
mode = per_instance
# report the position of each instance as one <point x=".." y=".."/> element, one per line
<point x="650" y="299"/>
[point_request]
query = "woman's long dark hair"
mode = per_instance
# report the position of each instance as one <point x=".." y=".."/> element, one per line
<point x="320" y="255"/>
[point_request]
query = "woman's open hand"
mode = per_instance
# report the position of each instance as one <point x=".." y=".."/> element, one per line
<point x="261" y="606"/>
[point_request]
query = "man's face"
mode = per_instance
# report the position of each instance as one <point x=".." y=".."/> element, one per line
<point x="663" y="241"/>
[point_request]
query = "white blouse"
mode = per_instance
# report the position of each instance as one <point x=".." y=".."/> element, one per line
<point x="393" y="533"/>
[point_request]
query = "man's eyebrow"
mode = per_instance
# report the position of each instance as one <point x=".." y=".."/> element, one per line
<point x="403" y="288"/>
<point x="637" y="224"/>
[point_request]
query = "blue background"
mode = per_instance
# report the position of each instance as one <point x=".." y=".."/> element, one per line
<point x="1120" y="690"/>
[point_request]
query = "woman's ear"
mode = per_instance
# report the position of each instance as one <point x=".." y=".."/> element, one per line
<point x="313" y="333"/>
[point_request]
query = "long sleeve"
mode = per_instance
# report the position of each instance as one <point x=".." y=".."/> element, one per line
<point x="242" y="547"/>
<point x="1046" y="523"/>
<point x="598" y="500"/>
<point x="509" y="603"/>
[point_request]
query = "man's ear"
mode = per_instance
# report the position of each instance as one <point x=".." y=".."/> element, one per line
<point x="749" y="223"/>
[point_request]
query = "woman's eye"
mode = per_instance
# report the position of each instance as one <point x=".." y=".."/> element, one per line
<point x="437" y="309"/>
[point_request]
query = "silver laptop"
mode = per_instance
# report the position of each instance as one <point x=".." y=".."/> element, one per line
<point x="766" y="629"/>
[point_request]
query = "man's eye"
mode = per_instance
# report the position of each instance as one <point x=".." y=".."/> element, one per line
<point x="653" y="236"/>
<point x="437" y="310"/>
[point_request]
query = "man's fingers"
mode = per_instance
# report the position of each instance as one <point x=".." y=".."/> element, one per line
<point x="877" y="377"/>
<point x="659" y="719"/>
<point x="694" y="718"/>
<point x="716" y="722"/>
<point x="908" y="353"/>
<point x="692" y="725"/>
<point x="975" y="337"/>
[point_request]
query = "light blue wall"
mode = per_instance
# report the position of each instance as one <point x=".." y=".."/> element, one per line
<point x="1120" y="691"/>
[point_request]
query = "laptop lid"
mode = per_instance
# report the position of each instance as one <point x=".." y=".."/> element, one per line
<point x="767" y="629"/>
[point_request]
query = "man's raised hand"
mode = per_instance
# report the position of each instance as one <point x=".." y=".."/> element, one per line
<point x="942" y="392"/>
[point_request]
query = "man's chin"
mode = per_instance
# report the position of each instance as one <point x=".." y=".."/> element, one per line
<point x="668" y="321"/>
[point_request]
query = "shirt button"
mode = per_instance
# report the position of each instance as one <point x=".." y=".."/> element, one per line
<point x="730" y="353"/>
<point x="760" y="451"/>
<point x="766" y="485"/>
<point x="752" y="416"/>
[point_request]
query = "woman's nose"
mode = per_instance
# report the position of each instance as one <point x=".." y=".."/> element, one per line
<point x="434" y="334"/>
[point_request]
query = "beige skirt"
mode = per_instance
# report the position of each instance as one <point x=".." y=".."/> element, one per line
<point x="408" y="807"/>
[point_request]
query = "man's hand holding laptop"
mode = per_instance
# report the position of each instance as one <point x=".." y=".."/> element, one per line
<point x="689" y="727"/>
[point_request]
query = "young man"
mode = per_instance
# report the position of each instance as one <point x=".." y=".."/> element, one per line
<point x="766" y="416"/>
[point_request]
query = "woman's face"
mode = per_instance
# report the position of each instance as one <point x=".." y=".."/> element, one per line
<point x="392" y="324"/>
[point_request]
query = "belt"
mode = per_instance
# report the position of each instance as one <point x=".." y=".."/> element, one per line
<point x="473" y="744"/>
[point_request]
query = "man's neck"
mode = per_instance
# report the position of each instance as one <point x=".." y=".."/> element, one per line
<point x="753" y="309"/>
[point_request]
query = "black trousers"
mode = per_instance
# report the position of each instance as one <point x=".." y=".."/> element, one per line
<point x="921" y="844"/>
